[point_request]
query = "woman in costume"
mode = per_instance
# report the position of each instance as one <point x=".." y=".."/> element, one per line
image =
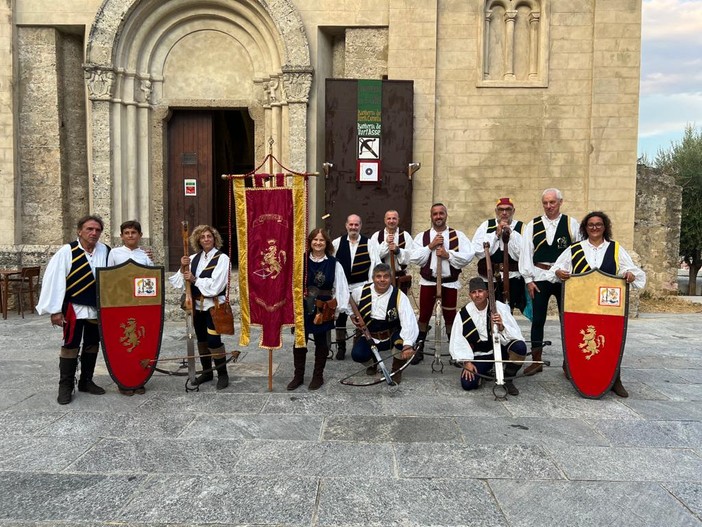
<point x="598" y="251"/>
<point x="324" y="281"/>
<point x="207" y="269"/>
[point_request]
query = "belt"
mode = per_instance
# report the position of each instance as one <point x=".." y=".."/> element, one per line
<point x="381" y="335"/>
<point x="542" y="265"/>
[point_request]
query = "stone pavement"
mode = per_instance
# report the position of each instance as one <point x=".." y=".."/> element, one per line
<point x="426" y="453"/>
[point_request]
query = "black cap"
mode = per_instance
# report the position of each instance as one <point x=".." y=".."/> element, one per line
<point x="476" y="283"/>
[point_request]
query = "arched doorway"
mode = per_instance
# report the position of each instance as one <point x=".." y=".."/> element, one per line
<point x="148" y="60"/>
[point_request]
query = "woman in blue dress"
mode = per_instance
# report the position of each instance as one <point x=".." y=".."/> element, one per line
<point x="324" y="280"/>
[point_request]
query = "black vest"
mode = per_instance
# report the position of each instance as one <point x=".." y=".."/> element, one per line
<point x="610" y="263"/>
<point x="543" y="252"/>
<point x="206" y="273"/>
<point x="392" y="316"/>
<point x="81" y="287"/>
<point x="357" y="271"/>
<point x="498" y="256"/>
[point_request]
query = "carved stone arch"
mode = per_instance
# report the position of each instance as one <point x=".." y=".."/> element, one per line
<point x="146" y="56"/>
<point x="514" y="37"/>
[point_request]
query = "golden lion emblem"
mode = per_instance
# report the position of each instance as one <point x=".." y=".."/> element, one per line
<point x="131" y="336"/>
<point x="592" y="342"/>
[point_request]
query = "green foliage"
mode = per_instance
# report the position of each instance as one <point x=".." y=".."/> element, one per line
<point x="684" y="161"/>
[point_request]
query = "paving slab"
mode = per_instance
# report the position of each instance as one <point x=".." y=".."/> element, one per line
<point x="423" y="453"/>
<point x="588" y="504"/>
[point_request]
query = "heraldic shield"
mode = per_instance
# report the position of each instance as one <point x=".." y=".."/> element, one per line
<point x="130" y="315"/>
<point x="593" y="327"/>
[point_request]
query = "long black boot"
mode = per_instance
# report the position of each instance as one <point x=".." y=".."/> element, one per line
<point x="87" y="367"/>
<point x="67" y="379"/>
<point x="219" y="357"/>
<point x="419" y="355"/>
<point x="320" y="360"/>
<point x="206" y="362"/>
<point x="299" y="355"/>
<point x="511" y="370"/>
<point x="340" y="344"/>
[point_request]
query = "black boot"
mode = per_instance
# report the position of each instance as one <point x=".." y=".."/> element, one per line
<point x="299" y="355"/>
<point x="320" y="360"/>
<point x="219" y="356"/>
<point x="618" y="387"/>
<point x="419" y="355"/>
<point x="67" y="379"/>
<point x="340" y="344"/>
<point x="206" y="362"/>
<point x="87" y="367"/>
<point x="511" y="370"/>
<point x="397" y="363"/>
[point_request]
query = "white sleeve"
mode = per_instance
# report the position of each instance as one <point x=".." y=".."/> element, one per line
<point x="405" y="256"/>
<point x="53" y="287"/>
<point x="462" y="257"/>
<point x="410" y="329"/>
<point x="481" y="236"/>
<point x="564" y="262"/>
<point x="420" y="254"/>
<point x="459" y="348"/>
<point x="211" y="287"/>
<point x="511" y="331"/>
<point x="626" y="264"/>
<point x="341" y="290"/>
<point x="526" y="257"/>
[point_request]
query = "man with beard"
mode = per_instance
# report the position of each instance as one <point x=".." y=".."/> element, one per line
<point x="441" y="251"/>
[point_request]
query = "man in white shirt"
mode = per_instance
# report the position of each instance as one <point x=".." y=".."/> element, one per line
<point x="130" y="233"/>
<point x="389" y="317"/>
<point x="357" y="255"/>
<point x="493" y="232"/>
<point x="471" y="340"/>
<point x="543" y="240"/>
<point x="395" y="246"/>
<point x="449" y="251"/>
<point x="69" y="295"/>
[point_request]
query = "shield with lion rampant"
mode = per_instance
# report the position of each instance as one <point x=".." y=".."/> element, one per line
<point x="130" y="317"/>
<point x="593" y="327"/>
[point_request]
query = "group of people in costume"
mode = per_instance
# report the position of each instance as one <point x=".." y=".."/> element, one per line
<point x="541" y="255"/>
<point x="365" y="279"/>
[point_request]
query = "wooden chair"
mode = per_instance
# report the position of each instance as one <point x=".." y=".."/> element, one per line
<point x="26" y="284"/>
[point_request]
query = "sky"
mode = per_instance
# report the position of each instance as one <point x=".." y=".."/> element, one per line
<point x="671" y="72"/>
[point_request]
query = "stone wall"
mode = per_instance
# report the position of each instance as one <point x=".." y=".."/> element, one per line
<point x="52" y="124"/>
<point x="657" y="229"/>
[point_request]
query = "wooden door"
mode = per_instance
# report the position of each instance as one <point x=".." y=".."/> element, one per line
<point x="344" y="195"/>
<point x="189" y="161"/>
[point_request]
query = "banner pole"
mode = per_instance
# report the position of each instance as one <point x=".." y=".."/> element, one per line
<point x="270" y="369"/>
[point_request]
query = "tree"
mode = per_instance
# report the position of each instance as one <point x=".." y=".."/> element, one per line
<point x="683" y="160"/>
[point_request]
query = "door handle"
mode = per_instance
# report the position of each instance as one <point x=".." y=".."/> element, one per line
<point x="327" y="166"/>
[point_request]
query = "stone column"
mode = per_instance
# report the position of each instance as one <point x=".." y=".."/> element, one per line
<point x="297" y="84"/>
<point x="534" y="19"/>
<point x="486" y="45"/>
<point x="99" y="81"/>
<point x="510" y="19"/>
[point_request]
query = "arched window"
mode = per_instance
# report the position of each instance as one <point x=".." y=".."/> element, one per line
<point x="514" y="38"/>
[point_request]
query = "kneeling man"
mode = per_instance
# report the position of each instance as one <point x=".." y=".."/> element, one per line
<point x="472" y="338"/>
<point x="388" y="314"/>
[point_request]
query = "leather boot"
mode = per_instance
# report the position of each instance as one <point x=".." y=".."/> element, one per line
<point x="511" y="372"/>
<point x="219" y="357"/>
<point x="419" y="355"/>
<point x="87" y="367"/>
<point x="67" y="379"/>
<point x="340" y="344"/>
<point x="565" y="371"/>
<point x="618" y="387"/>
<point x="206" y="362"/>
<point x="299" y="355"/>
<point x="320" y="360"/>
<point x="396" y="365"/>
<point x="533" y="369"/>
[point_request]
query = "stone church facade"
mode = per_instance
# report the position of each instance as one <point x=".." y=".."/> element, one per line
<point x="510" y="97"/>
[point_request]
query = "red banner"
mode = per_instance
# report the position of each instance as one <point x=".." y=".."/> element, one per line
<point x="270" y="222"/>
